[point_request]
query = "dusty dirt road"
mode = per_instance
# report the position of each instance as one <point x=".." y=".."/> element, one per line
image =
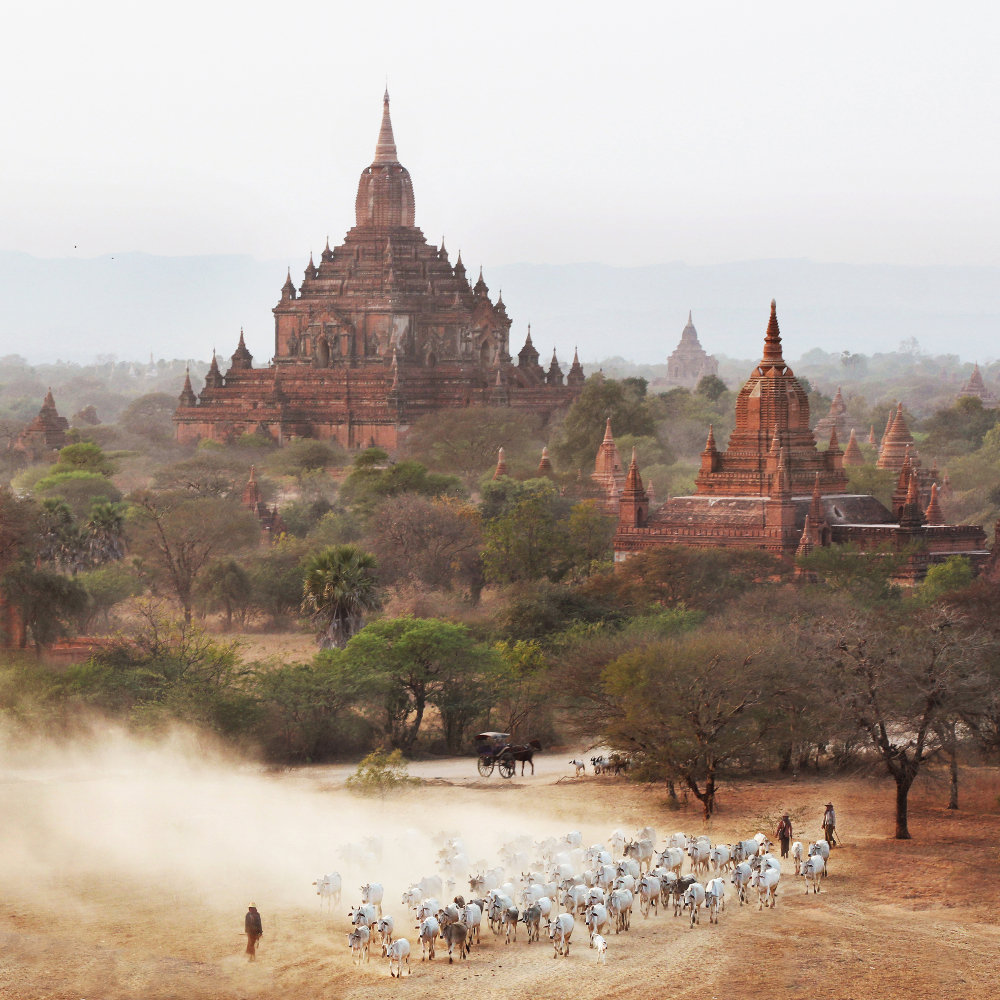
<point x="97" y="917"/>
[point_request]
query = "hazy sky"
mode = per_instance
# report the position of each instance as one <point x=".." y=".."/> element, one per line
<point x="619" y="133"/>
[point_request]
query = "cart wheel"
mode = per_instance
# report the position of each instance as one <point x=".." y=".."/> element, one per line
<point x="507" y="767"/>
<point x="485" y="766"/>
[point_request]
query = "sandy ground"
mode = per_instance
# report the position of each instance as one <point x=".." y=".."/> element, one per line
<point x="915" y="919"/>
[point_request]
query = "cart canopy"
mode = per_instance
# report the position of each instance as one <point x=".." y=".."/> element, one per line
<point x="492" y="736"/>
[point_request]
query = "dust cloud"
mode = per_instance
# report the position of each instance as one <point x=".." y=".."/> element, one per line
<point x="175" y="818"/>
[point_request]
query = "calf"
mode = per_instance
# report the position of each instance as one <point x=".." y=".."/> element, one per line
<point x="455" y="933"/>
<point x="398" y="952"/>
<point x="357" y="941"/>
<point x="681" y="886"/>
<point x="560" y="932"/>
<point x="531" y="918"/>
<point x="581" y="767"/>
<point x="596" y="941"/>
<point x="428" y="937"/>
<point x="822" y="848"/>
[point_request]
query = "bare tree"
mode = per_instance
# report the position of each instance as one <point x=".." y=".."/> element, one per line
<point x="903" y="681"/>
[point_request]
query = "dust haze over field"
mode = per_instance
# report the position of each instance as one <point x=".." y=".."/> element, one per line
<point x="128" y="864"/>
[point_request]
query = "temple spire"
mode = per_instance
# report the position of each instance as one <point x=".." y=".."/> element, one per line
<point x="772" y="341"/>
<point x="385" y="148"/>
<point x="933" y="514"/>
<point x="608" y="436"/>
<point x="501" y="469"/>
<point x="710" y="440"/>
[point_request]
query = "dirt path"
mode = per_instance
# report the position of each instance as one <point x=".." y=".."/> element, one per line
<point x="895" y="920"/>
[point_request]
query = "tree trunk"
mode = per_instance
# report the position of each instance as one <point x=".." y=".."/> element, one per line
<point x="902" y="791"/>
<point x="672" y="792"/>
<point x="785" y="764"/>
<point x="953" y="797"/>
<point x="415" y="730"/>
<point x="229" y="615"/>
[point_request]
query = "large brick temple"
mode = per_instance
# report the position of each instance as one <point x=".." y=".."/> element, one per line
<point x="384" y="330"/>
<point x="773" y="489"/>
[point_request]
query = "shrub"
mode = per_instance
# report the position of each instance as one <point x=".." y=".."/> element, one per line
<point x="381" y="773"/>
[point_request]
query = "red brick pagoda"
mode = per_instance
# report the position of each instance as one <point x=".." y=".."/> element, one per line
<point x="772" y="477"/>
<point x="384" y="330"/>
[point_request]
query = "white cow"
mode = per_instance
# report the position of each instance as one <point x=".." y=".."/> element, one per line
<point x="412" y="898"/>
<point x="372" y="893"/>
<point x="581" y="767"/>
<point x="597" y="920"/>
<point x="473" y="917"/>
<point x="560" y="932"/>
<point x="797" y="856"/>
<point x="357" y="941"/>
<point x="398" y="952"/>
<point x="328" y="888"/>
<point x="385" y="928"/>
<point x="620" y="907"/>
<point x="641" y="851"/>
<point x="721" y="858"/>
<point x="617" y="842"/>
<point x="822" y="848"/>
<point x="693" y="898"/>
<point x="742" y="874"/>
<point x="699" y="852"/>
<point x="715" y="899"/>
<point x="429" y="930"/>
<point x="673" y="859"/>
<point x="363" y="915"/>
<point x="649" y="894"/>
<point x="430" y="885"/>
<point x="766" y="883"/>
<point x="678" y="840"/>
<point x="812" y="871"/>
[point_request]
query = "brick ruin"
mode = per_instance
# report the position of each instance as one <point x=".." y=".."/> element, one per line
<point x="689" y="363"/>
<point x="773" y="489"/>
<point x="384" y="330"/>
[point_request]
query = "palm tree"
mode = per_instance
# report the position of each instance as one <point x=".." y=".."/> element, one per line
<point x="106" y="529"/>
<point x="339" y="587"/>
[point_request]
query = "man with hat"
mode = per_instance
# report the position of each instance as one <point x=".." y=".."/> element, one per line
<point x="254" y="930"/>
<point x="784" y="833"/>
<point x="829" y="823"/>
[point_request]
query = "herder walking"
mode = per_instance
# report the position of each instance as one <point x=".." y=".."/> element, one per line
<point x="784" y="834"/>
<point x="829" y="824"/>
<point x="254" y="930"/>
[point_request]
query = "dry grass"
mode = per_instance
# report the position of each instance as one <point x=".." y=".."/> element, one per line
<point x="895" y="920"/>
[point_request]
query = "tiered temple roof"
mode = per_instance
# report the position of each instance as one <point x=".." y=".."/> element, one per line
<point x="772" y="489"/>
<point x="975" y="386"/>
<point x="689" y="363"/>
<point x="836" y="418"/>
<point x="383" y="330"/>
<point x="45" y="434"/>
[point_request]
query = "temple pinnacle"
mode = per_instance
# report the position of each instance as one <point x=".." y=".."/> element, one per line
<point x="385" y="148"/>
<point x="772" y="340"/>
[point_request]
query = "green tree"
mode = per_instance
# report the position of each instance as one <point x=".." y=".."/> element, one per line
<point x="589" y="534"/>
<point x="177" y="536"/>
<point x="106" y="533"/>
<point x="452" y="442"/>
<point x="47" y="602"/>
<point x="527" y="542"/>
<point x="106" y="586"/>
<point x="687" y="708"/>
<point x="307" y="705"/>
<point x="521" y="683"/>
<point x="85" y="456"/>
<point x="412" y="662"/>
<point x="868" y="574"/>
<point x="960" y="428"/>
<point x="340" y="585"/>
<point x="151" y="417"/>
<point x="955" y="573"/>
<point x="711" y="387"/>
<point x="585" y="423"/>
<point x="380" y="774"/>
<point x="79" y="488"/>
<point x="226" y="585"/>
<point x="369" y="484"/>
<point x="305" y="455"/>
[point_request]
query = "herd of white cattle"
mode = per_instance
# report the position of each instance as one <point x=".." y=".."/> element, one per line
<point x="600" y="886"/>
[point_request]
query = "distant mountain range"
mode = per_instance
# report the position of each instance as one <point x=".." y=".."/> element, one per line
<point x="131" y="304"/>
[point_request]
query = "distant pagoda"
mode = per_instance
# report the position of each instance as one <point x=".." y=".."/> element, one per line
<point x="689" y="363"/>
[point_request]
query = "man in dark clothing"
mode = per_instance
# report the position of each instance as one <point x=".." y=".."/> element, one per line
<point x="254" y="930"/>
<point x="784" y="834"/>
